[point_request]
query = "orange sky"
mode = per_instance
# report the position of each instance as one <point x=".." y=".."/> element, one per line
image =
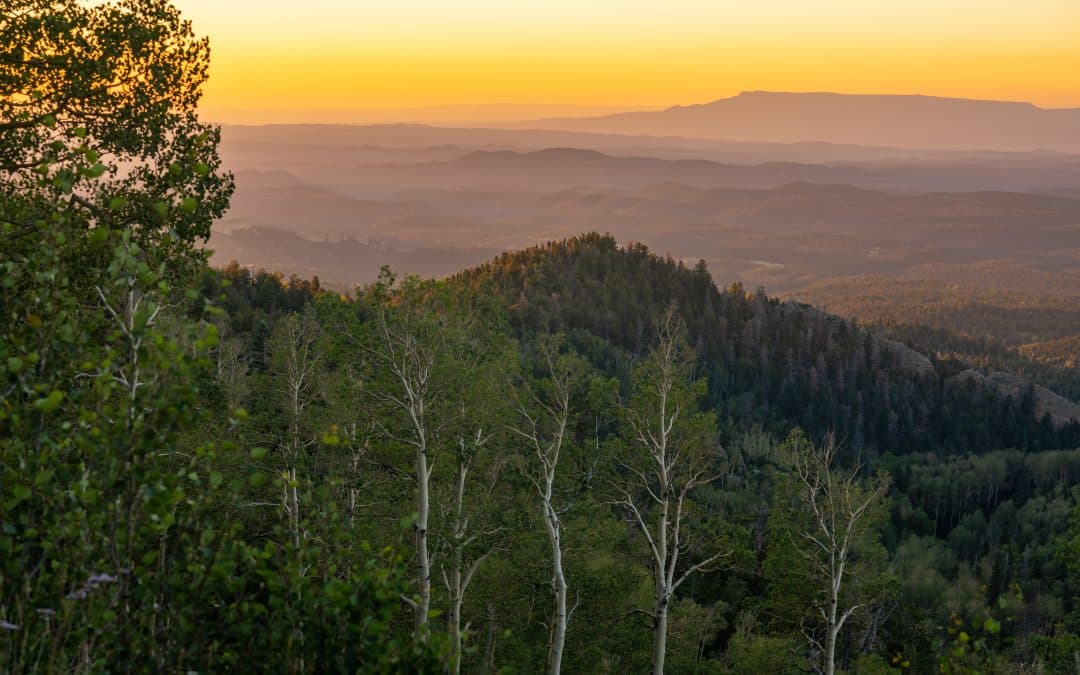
<point x="341" y="60"/>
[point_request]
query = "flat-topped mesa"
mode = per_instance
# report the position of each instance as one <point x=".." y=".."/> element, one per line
<point x="893" y="120"/>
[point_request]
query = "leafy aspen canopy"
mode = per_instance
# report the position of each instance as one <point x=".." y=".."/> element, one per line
<point x="98" y="117"/>
<point x="118" y="549"/>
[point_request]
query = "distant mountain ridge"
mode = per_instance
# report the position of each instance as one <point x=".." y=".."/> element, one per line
<point x="903" y="121"/>
<point x="563" y="167"/>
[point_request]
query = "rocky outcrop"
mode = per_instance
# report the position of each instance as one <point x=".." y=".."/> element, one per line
<point x="1061" y="410"/>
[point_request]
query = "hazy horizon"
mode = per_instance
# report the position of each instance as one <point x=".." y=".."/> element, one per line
<point x="494" y="112"/>
<point x="336" y="58"/>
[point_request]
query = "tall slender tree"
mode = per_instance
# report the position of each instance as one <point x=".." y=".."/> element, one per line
<point x="546" y="416"/>
<point x="470" y="538"/>
<point x="428" y="357"/>
<point x="295" y="356"/>
<point x="672" y="449"/>
<point x="834" y="530"/>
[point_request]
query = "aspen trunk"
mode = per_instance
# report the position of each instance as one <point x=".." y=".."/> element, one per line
<point x="551" y="520"/>
<point x="830" y="653"/>
<point x="660" y="637"/>
<point x="294" y="508"/>
<point x="833" y="629"/>
<point x="455" y="583"/>
<point x="455" y="619"/>
<point x="423" y="560"/>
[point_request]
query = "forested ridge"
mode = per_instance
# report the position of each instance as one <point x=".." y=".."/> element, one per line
<point x="969" y="535"/>
<point x="768" y="363"/>
<point x="578" y="457"/>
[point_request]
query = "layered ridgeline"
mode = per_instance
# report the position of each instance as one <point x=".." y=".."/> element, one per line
<point x="773" y="364"/>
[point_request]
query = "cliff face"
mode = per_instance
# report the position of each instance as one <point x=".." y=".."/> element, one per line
<point x="1061" y="410"/>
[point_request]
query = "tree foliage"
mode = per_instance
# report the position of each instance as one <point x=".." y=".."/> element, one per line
<point x="222" y="469"/>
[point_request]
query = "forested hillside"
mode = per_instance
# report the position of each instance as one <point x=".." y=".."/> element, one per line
<point x="966" y="533"/>
<point x="769" y="364"/>
<point x="578" y="457"/>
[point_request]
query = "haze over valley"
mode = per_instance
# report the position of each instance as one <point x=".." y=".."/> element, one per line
<point x="978" y="223"/>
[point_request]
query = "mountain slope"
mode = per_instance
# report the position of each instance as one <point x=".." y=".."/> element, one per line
<point x="768" y="363"/>
<point x="901" y="121"/>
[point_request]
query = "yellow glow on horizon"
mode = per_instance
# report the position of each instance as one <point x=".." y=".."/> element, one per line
<point x="330" y="60"/>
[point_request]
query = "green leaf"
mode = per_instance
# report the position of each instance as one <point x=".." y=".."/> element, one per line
<point x="51" y="402"/>
<point x="258" y="453"/>
<point x="216" y="478"/>
<point x="189" y="205"/>
<point x="21" y="492"/>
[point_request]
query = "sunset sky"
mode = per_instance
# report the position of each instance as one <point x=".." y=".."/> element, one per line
<point x="341" y="60"/>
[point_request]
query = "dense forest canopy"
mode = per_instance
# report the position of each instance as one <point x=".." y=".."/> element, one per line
<point x="768" y="363"/>
<point x="578" y="456"/>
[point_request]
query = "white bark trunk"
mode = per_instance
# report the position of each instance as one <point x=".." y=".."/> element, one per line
<point x="558" y="638"/>
<point x="460" y="574"/>
<point x="660" y="637"/>
<point x="837" y="506"/>
<point x="665" y="563"/>
<point x="454" y="583"/>
<point x="667" y="480"/>
<point x="423" y="560"/>
<point x="294" y="508"/>
<point x="830" y="640"/>
<point x="546" y="434"/>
